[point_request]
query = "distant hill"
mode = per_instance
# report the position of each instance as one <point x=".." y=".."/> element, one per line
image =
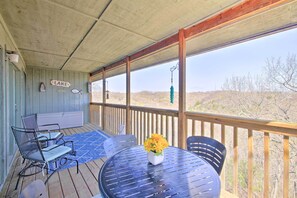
<point x="266" y="105"/>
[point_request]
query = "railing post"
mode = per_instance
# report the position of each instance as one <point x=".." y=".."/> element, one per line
<point x="266" y="164"/>
<point x="223" y="141"/>
<point x="103" y="99"/>
<point x="128" y="94"/>
<point x="182" y="135"/>
<point x="286" y="167"/>
<point x="250" y="163"/>
<point x="235" y="161"/>
<point x="91" y="99"/>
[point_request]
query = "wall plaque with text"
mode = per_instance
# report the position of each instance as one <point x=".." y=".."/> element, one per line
<point x="60" y="83"/>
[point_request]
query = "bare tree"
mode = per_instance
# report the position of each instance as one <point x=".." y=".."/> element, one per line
<point x="271" y="96"/>
<point x="283" y="75"/>
<point x="247" y="95"/>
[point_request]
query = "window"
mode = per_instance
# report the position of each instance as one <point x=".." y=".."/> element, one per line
<point x="150" y="87"/>
<point x="250" y="79"/>
<point x="97" y="91"/>
<point x="116" y="89"/>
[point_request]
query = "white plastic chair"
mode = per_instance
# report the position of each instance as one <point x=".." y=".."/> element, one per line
<point x="36" y="189"/>
<point x="117" y="143"/>
<point x="122" y="130"/>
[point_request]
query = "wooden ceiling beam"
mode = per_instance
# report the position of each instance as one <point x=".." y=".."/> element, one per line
<point x="116" y="64"/>
<point x="226" y="17"/>
<point x="112" y="66"/>
<point x="232" y="15"/>
<point x="97" y="72"/>
<point x="155" y="47"/>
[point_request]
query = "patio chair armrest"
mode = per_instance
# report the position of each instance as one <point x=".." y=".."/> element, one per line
<point x="58" y="145"/>
<point x="44" y="139"/>
<point x="42" y="131"/>
<point x="54" y="124"/>
<point x="72" y="145"/>
<point x="65" y="142"/>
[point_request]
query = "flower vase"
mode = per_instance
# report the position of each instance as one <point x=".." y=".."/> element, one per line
<point x="155" y="159"/>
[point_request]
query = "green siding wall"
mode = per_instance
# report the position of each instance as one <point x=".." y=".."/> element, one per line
<point x="56" y="99"/>
<point x="12" y="101"/>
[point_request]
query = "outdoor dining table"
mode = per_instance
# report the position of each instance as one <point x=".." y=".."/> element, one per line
<point x="181" y="174"/>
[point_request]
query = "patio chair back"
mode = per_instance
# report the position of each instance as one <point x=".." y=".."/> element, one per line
<point x="117" y="143"/>
<point x="28" y="144"/>
<point x="211" y="150"/>
<point x="30" y="122"/>
<point x="36" y="189"/>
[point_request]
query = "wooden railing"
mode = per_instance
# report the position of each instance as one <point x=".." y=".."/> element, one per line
<point x="242" y="134"/>
<point x="114" y="116"/>
<point x="96" y="114"/>
<point x="146" y="121"/>
<point x="251" y="144"/>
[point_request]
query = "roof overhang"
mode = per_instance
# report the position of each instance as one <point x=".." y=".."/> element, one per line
<point x="89" y="35"/>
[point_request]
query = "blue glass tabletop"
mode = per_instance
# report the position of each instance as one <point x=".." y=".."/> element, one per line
<point x="182" y="174"/>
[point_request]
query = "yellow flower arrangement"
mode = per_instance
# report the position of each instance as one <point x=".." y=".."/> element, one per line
<point x="156" y="144"/>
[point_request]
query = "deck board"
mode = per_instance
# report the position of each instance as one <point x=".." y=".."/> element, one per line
<point x="90" y="179"/>
<point x="54" y="186"/>
<point x="66" y="183"/>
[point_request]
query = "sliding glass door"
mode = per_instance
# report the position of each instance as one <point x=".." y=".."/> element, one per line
<point x="11" y="109"/>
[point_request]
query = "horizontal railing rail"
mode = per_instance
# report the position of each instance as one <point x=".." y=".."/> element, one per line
<point x="109" y="105"/>
<point x="289" y="129"/>
<point x="168" y="112"/>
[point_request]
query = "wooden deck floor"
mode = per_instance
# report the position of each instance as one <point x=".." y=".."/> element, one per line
<point x="65" y="183"/>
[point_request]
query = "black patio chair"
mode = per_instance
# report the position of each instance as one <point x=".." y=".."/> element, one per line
<point x="30" y="122"/>
<point x="210" y="149"/>
<point x="51" y="158"/>
<point x="117" y="143"/>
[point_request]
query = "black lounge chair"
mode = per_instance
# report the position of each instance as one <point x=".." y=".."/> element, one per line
<point x="44" y="158"/>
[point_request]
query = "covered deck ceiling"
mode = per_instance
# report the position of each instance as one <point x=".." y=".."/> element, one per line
<point x="88" y="35"/>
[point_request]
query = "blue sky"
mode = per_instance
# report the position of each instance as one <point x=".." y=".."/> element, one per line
<point x="208" y="71"/>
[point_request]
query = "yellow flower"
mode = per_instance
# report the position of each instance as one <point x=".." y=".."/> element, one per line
<point x="156" y="143"/>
